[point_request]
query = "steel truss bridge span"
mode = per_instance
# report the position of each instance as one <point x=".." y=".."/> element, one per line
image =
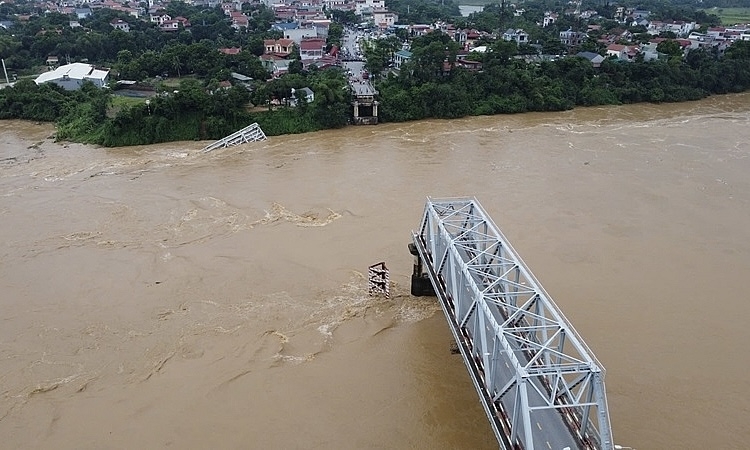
<point x="540" y="385"/>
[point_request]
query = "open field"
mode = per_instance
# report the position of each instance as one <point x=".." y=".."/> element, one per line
<point x="731" y="16"/>
<point x="120" y="102"/>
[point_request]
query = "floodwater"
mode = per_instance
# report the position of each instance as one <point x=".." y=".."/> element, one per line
<point x="158" y="296"/>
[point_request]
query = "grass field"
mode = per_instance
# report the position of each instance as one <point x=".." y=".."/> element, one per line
<point x="731" y="16"/>
<point x="120" y="101"/>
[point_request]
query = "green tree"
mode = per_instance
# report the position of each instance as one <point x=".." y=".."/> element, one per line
<point x="670" y="47"/>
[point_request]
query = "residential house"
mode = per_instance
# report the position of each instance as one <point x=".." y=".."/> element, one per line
<point x="231" y="50"/>
<point x="309" y="13"/>
<point x="572" y="38"/>
<point x="119" y="24"/>
<point x="174" y="25"/>
<point x="274" y="64"/>
<point x="400" y="57"/>
<point x="706" y="41"/>
<point x="549" y="18"/>
<point x="362" y="7"/>
<point x="716" y="32"/>
<point x="419" y="30"/>
<point x="594" y="58"/>
<point x="240" y="77"/>
<point x="469" y="38"/>
<point x="278" y="47"/>
<point x="622" y="52"/>
<point x="384" y="19"/>
<point x="228" y="7"/>
<point x="336" y="4"/>
<point x="469" y="64"/>
<point x="239" y="20"/>
<point x="312" y="48"/>
<point x="284" y="26"/>
<point x="298" y="34"/>
<point x="518" y="36"/>
<point x="649" y="52"/>
<point x="159" y="17"/>
<point x="284" y="13"/>
<point x="588" y="14"/>
<point x="83" y="13"/>
<point x="301" y="93"/>
<point x="679" y="28"/>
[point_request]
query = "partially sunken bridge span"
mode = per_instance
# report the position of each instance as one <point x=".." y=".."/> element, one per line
<point x="540" y="385"/>
<point x="250" y="133"/>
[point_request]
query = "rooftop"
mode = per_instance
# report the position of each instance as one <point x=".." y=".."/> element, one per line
<point x="77" y="71"/>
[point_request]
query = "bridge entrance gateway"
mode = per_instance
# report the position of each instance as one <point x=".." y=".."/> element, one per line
<point x="365" y="105"/>
<point x="540" y="385"/>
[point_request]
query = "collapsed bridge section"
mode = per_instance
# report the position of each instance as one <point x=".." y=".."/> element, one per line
<point x="540" y="385"/>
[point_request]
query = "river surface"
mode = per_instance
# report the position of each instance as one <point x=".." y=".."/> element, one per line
<point x="157" y="296"/>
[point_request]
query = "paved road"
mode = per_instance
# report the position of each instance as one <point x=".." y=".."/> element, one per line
<point x="355" y="67"/>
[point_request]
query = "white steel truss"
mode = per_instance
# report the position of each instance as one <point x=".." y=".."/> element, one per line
<point x="250" y="133"/>
<point x="539" y="383"/>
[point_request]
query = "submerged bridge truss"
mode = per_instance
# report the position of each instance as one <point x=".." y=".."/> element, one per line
<point x="540" y="385"/>
<point x="250" y="133"/>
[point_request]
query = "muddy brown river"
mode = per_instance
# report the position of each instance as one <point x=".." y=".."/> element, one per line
<point x="157" y="296"/>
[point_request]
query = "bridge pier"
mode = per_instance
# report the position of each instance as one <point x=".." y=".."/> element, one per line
<point x="421" y="286"/>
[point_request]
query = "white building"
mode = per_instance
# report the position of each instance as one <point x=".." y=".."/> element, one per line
<point x="367" y="6"/>
<point x="384" y="18"/>
<point x="518" y="36"/>
<point x="71" y="76"/>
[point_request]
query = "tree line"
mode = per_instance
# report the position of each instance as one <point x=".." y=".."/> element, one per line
<point x="430" y="85"/>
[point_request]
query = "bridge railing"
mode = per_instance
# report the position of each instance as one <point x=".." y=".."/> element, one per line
<point x="529" y="365"/>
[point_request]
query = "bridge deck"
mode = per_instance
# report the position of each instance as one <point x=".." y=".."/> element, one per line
<point x="540" y="385"/>
<point x="363" y="89"/>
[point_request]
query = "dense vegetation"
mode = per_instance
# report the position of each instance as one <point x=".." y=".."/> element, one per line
<point x="424" y="88"/>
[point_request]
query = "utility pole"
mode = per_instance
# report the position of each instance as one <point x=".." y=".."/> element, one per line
<point x="6" y="72"/>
